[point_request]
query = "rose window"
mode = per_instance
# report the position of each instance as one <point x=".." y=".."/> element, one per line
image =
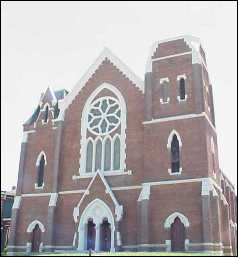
<point x="104" y="116"/>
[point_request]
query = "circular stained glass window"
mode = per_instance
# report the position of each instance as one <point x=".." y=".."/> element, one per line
<point x="104" y="116"/>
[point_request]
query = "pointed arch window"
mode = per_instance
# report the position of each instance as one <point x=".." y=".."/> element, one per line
<point x="103" y="118"/>
<point x="182" y="96"/>
<point x="104" y="123"/>
<point x="98" y="155"/>
<point x="89" y="156"/>
<point x="46" y="114"/>
<point x="182" y="89"/>
<point x="174" y="145"/>
<point x="164" y="87"/>
<point x="175" y="155"/>
<point x="41" y="163"/>
<point x="107" y="155"/>
<point x="116" y="154"/>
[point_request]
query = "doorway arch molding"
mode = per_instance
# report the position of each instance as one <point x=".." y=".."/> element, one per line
<point x="32" y="225"/>
<point x="170" y="219"/>
<point x="96" y="210"/>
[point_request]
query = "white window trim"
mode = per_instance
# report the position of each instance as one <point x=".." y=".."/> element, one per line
<point x="43" y="110"/>
<point x="170" y="138"/>
<point x="94" y="151"/>
<point x="112" y="148"/>
<point x="103" y="141"/>
<point x="181" y="76"/>
<point x="162" y="80"/>
<point x="105" y="173"/>
<point x="41" y="187"/>
<point x="103" y="152"/>
<point x="84" y="125"/>
<point x="92" y="106"/>
<point x="182" y="100"/>
<point x="175" y="173"/>
<point x="164" y="102"/>
<point x="37" y="164"/>
<point x="39" y="158"/>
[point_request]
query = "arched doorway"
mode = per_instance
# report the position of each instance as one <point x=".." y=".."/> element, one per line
<point x="36" y="239"/>
<point x="91" y="234"/>
<point x="177" y="234"/>
<point x="176" y="225"/>
<point x="105" y="244"/>
<point x="101" y="231"/>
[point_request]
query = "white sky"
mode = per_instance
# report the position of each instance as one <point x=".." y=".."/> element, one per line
<point x="53" y="43"/>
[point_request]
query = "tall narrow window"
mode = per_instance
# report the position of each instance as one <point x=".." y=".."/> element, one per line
<point x="46" y="113"/>
<point x="103" y="133"/>
<point x="182" y="89"/>
<point x="107" y="155"/>
<point x="175" y="155"/>
<point x="116" y="154"/>
<point x="98" y="157"/>
<point x="89" y="157"/>
<point x="164" y="89"/>
<point x="40" y="173"/>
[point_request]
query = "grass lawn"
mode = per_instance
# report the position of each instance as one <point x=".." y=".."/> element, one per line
<point x="118" y="254"/>
<point x="129" y="254"/>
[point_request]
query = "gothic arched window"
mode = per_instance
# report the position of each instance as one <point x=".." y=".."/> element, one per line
<point x="41" y="162"/>
<point x="175" y="155"/>
<point x="98" y="155"/>
<point x="182" y="89"/>
<point x="46" y="114"/>
<point x="107" y="155"/>
<point x="89" y="156"/>
<point x="103" y="135"/>
<point x="116" y="154"/>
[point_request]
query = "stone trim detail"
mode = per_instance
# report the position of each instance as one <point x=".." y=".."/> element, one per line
<point x="53" y="199"/>
<point x="17" y="201"/>
<point x="145" y="193"/>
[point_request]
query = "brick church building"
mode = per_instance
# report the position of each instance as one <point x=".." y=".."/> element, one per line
<point x="124" y="164"/>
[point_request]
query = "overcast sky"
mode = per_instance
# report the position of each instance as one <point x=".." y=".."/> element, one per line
<point x="53" y="43"/>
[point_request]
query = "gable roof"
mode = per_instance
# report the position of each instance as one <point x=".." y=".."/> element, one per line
<point x="55" y="95"/>
<point x="49" y="95"/>
<point x="105" y="54"/>
<point x="118" y="208"/>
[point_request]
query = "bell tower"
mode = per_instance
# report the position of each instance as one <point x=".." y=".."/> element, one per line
<point x="177" y="80"/>
<point x="178" y="97"/>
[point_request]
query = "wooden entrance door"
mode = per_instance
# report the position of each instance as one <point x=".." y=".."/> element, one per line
<point x="91" y="234"/>
<point x="177" y="235"/>
<point x="105" y="236"/>
<point x="36" y="239"/>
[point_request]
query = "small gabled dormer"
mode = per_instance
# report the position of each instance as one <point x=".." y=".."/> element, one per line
<point x="47" y="109"/>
